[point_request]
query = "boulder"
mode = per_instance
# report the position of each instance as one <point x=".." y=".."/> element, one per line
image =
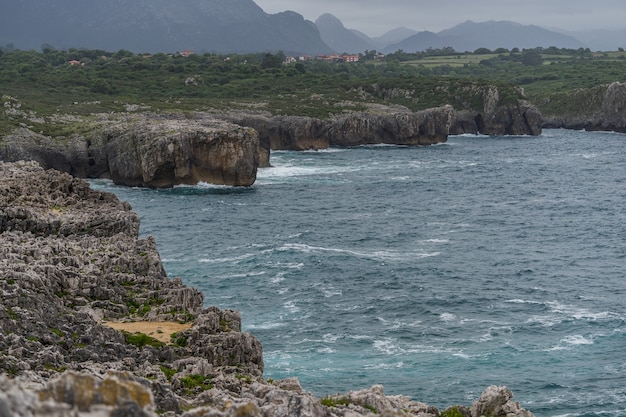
<point x="496" y="401"/>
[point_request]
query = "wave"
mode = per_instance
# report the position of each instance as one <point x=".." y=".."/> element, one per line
<point x="378" y="255"/>
<point x="571" y="342"/>
<point x="265" y="325"/>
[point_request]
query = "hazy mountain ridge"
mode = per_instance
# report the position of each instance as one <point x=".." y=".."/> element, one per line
<point x="469" y="36"/>
<point x="241" y="26"/>
<point x="157" y="26"/>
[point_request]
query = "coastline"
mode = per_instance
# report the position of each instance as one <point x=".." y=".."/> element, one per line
<point x="72" y="258"/>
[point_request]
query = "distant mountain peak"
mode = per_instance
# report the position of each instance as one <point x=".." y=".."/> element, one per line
<point x="339" y="38"/>
<point x="470" y="35"/>
<point x="223" y="26"/>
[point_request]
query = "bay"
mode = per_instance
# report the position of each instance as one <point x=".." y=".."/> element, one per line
<point x="435" y="271"/>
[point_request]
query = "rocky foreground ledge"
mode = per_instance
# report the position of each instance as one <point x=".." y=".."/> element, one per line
<point x="73" y="270"/>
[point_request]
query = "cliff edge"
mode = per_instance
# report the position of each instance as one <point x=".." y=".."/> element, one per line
<point x="601" y="108"/>
<point x="145" y="150"/>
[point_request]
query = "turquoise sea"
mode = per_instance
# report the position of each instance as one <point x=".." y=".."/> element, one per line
<point x="435" y="271"/>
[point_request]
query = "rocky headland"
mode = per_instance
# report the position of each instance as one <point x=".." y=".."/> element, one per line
<point x="597" y="109"/>
<point x="74" y="274"/>
<point x="145" y="150"/>
<point x="148" y="149"/>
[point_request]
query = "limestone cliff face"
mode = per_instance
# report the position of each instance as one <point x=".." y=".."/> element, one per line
<point x="602" y="108"/>
<point x="497" y="116"/>
<point x="302" y="133"/>
<point x="426" y="127"/>
<point x="162" y="153"/>
<point x="520" y="119"/>
<point x="480" y="107"/>
<point x="67" y="155"/>
<point x="144" y="150"/>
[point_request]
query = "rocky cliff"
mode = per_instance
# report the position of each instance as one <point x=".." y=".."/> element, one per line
<point x="483" y="108"/>
<point x="152" y="150"/>
<point x="391" y="127"/>
<point x="145" y="150"/>
<point x="162" y="152"/>
<point x="601" y="108"/>
<point x="73" y="270"/>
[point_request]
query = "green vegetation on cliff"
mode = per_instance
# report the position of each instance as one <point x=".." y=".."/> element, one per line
<point x="40" y="89"/>
<point x="38" y="86"/>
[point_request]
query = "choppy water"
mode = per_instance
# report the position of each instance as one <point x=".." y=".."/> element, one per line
<point x="435" y="271"/>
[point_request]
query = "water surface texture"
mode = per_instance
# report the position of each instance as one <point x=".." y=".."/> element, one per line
<point x="435" y="271"/>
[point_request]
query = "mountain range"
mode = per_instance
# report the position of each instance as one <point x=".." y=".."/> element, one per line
<point x="240" y="26"/>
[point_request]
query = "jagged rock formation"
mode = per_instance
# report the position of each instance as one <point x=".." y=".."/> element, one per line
<point x="70" y="259"/>
<point x="495" y="114"/>
<point x="394" y="127"/>
<point x="520" y="119"/>
<point x="602" y="108"/>
<point x="480" y="107"/>
<point x="146" y="150"/>
<point x="158" y="152"/>
<point x="425" y="127"/>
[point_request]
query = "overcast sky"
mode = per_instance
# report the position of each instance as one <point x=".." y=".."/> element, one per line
<point x="375" y="17"/>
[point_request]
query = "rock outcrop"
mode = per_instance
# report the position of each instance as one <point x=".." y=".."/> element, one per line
<point x="519" y="119"/>
<point x="480" y="107"/>
<point x="602" y="108"/>
<point x="159" y="152"/>
<point x="425" y="127"/>
<point x="497" y="116"/>
<point x="146" y="150"/>
<point x="71" y="262"/>
<point x="393" y="127"/>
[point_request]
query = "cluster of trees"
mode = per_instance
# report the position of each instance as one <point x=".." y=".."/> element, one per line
<point x="449" y="51"/>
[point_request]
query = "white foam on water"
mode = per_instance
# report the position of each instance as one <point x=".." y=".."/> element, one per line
<point x="578" y="313"/>
<point x="331" y="337"/>
<point x="576" y="340"/>
<point x="571" y="342"/>
<point x="291" y="307"/>
<point x="379" y="255"/>
<point x="331" y="293"/>
<point x="233" y="259"/>
<point x="436" y="241"/>
<point x="266" y="325"/>
<point x="520" y="301"/>
<point x="388" y="347"/>
<point x="241" y="275"/>
<point x="206" y="185"/>
<point x="391" y="365"/>
<point x="447" y="317"/>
